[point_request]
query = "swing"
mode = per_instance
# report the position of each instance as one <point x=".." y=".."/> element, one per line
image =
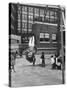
<point x="30" y="54"/>
<point x="31" y="50"/>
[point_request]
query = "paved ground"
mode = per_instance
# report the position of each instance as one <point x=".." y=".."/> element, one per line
<point x="28" y="75"/>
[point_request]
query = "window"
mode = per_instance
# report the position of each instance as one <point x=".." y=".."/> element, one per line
<point x="19" y="29"/>
<point x="12" y="27"/>
<point x="46" y="37"/>
<point x="30" y="10"/>
<point x="24" y="30"/>
<point x="41" y="35"/>
<point x="31" y="17"/>
<point x="24" y="25"/>
<point x="19" y="8"/>
<point x="47" y="16"/>
<point x="53" y="37"/>
<point x="55" y="17"/>
<point x="19" y="20"/>
<point x="19" y="24"/>
<point x="36" y="11"/>
<point x="24" y="17"/>
<point x="52" y="16"/>
<point x="41" y="12"/>
<point x="24" y="8"/>
<point x="30" y="26"/>
<point x="29" y="30"/>
<point x="36" y="18"/>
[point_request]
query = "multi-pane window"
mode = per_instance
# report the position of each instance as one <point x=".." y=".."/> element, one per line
<point x="29" y="30"/>
<point x="31" y="17"/>
<point x="36" y="14"/>
<point x="30" y="26"/>
<point x="24" y="25"/>
<point x="41" y="36"/>
<point x="12" y="27"/>
<point x="53" y="37"/>
<point x="19" y="25"/>
<point x="52" y="16"/>
<point x="55" y="16"/>
<point x="24" y="8"/>
<point x="42" y="14"/>
<point x="30" y="10"/>
<point x="19" y="19"/>
<point x="36" y="11"/>
<point x="44" y="37"/>
<point x="24" y="16"/>
<point x="47" y="15"/>
<point x="24" y="30"/>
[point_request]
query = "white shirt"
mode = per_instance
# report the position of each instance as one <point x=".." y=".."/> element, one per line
<point x="52" y="60"/>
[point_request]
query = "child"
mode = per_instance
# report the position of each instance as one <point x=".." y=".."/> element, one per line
<point x="43" y="59"/>
<point x="53" y="62"/>
<point x="58" y="62"/>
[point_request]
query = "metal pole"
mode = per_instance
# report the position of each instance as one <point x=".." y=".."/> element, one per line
<point x="62" y="49"/>
<point x="62" y="52"/>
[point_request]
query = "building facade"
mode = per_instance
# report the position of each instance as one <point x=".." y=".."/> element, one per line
<point x="42" y="20"/>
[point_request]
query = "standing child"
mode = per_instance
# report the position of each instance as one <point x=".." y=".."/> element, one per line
<point x="43" y="59"/>
<point x="53" y="62"/>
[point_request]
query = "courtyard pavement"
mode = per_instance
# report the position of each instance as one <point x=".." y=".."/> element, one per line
<point x="28" y="75"/>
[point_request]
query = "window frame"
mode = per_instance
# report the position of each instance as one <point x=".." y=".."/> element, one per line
<point x="43" y="39"/>
<point x="54" y="37"/>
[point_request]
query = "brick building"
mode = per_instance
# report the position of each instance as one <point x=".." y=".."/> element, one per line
<point x="42" y="20"/>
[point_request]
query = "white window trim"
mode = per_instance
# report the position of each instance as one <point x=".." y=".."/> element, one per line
<point x="44" y="42"/>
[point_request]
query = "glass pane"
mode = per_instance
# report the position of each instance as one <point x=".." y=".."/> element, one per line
<point x="47" y="13"/>
<point x="52" y="16"/>
<point x="29" y="30"/>
<point x="24" y="17"/>
<point x="30" y="26"/>
<point x="53" y="36"/>
<point x="30" y="9"/>
<point x="18" y="29"/>
<point x="41" y="35"/>
<point x="24" y="8"/>
<point x="24" y="30"/>
<point x="19" y="24"/>
<point x="36" y="11"/>
<point x="19" y="9"/>
<point x="30" y="17"/>
<point x="24" y="25"/>
<point x="46" y="35"/>
<point x="41" y="12"/>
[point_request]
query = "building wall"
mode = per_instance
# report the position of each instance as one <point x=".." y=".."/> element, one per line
<point x="42" y="28"/>
<point x="28" y="15"/>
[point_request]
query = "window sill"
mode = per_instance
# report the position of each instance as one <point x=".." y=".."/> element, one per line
<point x="54" y="42"/>
<point x="44" y="42"/>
